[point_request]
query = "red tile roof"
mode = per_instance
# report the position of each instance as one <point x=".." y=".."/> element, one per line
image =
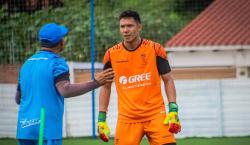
<point x="224" y="22"/>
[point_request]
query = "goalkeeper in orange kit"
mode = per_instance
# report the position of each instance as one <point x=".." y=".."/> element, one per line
<point x="139" y="65"/>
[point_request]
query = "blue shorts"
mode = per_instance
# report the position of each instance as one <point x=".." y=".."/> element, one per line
<point x="36" y="142"/>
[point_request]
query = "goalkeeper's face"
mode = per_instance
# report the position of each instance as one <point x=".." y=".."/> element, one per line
<point x="130" y="29"/>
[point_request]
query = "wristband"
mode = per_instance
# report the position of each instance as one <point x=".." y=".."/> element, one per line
<point x="173" y="107"/>
<point x="102" y="117"/>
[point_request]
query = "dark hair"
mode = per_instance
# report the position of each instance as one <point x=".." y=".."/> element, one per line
<point x="130" y="14"/>
<point x="47" y="44"/>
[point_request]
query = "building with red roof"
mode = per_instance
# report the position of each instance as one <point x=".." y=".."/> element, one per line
<point x="216" y="44"/>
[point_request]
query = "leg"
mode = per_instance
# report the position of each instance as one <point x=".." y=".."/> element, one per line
<point x="128" y="133"/>
<point x="52" y="142"/>
<point x="158" y="133"/>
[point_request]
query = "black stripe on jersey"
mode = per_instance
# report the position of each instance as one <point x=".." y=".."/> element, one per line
<point x="62" y="77"/>
<point x="107" y="65"/>
<point x="162" y="65"/>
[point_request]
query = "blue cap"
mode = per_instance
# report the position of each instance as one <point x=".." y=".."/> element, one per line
<point x="51" y="34"/>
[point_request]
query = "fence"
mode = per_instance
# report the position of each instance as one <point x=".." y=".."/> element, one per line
<point x="21" y="20"/>
<point x="208" y="108"/>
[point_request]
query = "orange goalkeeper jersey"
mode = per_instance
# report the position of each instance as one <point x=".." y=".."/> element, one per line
<point x="137" y="80"/>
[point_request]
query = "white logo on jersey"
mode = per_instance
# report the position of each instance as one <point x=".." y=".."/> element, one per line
<point x="135" y="78"/>
<point x="27" y="123"/>
<point x="39" y="58"/>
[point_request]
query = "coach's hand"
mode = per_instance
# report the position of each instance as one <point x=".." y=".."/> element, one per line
<point x="103" y="129"/>
<point x="105" y="76"/>
<point x="172" y="119"/>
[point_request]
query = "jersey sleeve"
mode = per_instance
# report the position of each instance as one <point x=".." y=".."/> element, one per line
<point x="161" y="59"/>
<point x="106" y="60"/>
<point x="160" y="51"/>
<point x="60" y="70"/>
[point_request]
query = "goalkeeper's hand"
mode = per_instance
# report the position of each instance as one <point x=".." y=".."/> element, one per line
<point x="172" y="119"/>
<point x="103" y="129"/>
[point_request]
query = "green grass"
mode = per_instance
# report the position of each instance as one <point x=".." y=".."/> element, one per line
<point x="185" y="141"/>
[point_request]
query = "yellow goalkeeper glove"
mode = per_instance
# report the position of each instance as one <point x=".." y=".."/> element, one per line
<point x="172" y="119"/>
<point x="103" y="129"/>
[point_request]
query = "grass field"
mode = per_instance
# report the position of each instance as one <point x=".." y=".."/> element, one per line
<point x="186" y="141"/>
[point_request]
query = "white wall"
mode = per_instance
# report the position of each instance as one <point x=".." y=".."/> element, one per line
<point x="207" y="108"/>
<point x="8" y="110"/>
<point x="210" y="58"/>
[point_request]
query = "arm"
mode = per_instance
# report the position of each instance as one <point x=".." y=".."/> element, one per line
<point x="169" y="87"/>
<point x="67" y="89"/>
<point x="70" y="90"/>
<point x="104" y="97"/>
<point x="172" y="118"/>
<point x="164" y="70"/>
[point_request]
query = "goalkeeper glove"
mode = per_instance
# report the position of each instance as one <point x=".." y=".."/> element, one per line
<point x="172" y="119"/>
<point x="103" y="129"/>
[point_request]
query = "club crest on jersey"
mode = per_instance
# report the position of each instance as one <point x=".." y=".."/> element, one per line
<point x="144" y="58"/>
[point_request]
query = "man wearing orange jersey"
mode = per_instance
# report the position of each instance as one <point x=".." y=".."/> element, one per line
<point x="139" y="65"/>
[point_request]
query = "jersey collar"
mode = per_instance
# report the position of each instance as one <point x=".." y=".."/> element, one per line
<point x="133" y="49"/>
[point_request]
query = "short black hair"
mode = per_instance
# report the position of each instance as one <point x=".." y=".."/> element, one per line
<point x="47" y="44"/>
<point x="130" y="14"/>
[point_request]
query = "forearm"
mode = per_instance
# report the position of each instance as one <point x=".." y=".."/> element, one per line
<point x="170" y="88"/>
<point x="71" y="90"/>
<point x="104" y="97"/>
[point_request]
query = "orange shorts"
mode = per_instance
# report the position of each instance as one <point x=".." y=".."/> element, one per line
<point x="132" y="133"/>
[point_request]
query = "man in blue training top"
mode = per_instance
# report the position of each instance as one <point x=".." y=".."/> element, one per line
<point x="44" y="83"/>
